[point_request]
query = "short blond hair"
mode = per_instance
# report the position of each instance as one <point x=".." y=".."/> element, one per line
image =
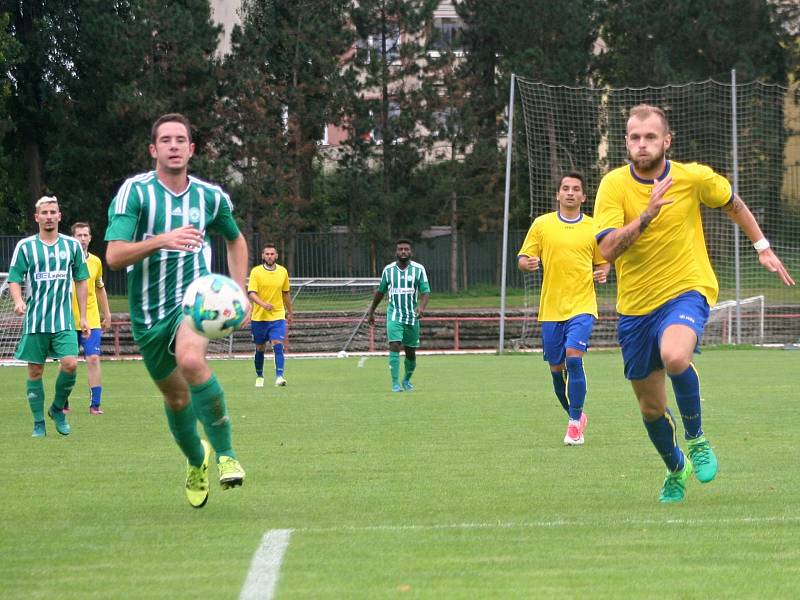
<point x="642" y="111"/>
<point x="45" y="200"/>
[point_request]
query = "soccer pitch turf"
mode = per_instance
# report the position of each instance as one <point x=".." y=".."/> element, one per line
<point x="459" y="489"/>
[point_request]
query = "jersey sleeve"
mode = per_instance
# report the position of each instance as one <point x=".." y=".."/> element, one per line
<point x="223" y="222"/>
<point x="99" y="283"/>
<point x="532" y="246"/>
<point x="252" y="283"/>
<point x="123" y="214"/>
<point x="80" y="271"/>
<point x="424" y="286"/>
<point x="19" y="265"/>
<point x="609" y="213"/>
<point x="383" y="286"/>
<point x="715" y="190"/>
<point x="286" y="285"/>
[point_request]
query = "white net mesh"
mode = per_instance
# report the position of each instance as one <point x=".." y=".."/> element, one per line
<point x="10" y="324"/>
<point x="583" y="129"/>
<point x="329" y="317"/>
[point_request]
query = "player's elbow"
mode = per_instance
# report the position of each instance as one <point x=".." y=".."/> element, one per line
<point x="114" y="258"/>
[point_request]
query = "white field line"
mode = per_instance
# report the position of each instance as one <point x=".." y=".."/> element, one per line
<point x="556" y="523"/>
<point x="262" y="578"/>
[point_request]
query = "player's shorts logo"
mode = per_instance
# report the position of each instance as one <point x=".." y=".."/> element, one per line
<point x="686" y="318"/>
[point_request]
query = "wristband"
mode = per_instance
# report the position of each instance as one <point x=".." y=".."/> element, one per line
<point x="761" y="245"/>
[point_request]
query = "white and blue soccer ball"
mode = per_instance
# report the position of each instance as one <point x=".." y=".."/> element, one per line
<point x="214" y="306"/>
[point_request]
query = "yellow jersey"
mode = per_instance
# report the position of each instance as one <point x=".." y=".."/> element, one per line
<point x="670" y="256"/>
<point x="568" y="252"/>
<point x="94" y="283"/>
<point x="269" y="286"/>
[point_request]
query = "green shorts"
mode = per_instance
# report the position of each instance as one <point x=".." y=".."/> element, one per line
<point x="400" y="332"/>
<point x="157" y="345"/>
<point x="37" y="347"/>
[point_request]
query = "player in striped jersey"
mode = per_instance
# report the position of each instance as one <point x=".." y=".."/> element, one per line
<point x="406" y="282"/>
<point x="49" y="261"/>
<point x="563" y="242"/>
<point x="96" y="299"/>
<point x="158" y="226"/>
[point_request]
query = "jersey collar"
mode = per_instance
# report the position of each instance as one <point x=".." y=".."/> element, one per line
<point x="651" y="181"/>
<point x="566" y="220"/>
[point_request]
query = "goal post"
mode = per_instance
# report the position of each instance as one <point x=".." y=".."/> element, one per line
<point x="10" y="324"/>
<point x="746" y="131"/>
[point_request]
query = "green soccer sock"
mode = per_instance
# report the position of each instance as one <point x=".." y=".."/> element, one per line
<point x="410" y="365"/>
<point x="394" y="366"/>
<point x="35" y="389"/>
<point x="183" y="425"/>
<point x="208" y="401"/>
<point x="64" y="384"/>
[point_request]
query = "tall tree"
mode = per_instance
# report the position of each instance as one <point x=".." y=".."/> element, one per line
<point x="11" y="211"/>
<point x="281" y="85"/>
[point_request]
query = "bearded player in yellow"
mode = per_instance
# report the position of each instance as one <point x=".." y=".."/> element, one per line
<point x="648" y="217"/>
<point x="563" y="242"/>
<point x="96" y="300"/>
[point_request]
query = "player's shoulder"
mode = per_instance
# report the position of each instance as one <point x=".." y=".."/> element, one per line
<point x="69" y="240"/>
<point x="390" y="266"/>
<point x="691" y="170"/>
<point x="416" y="264"/>
<point x="282" y="270"/>
<point x="138" y="180"/>
<point x="27" y="240"/>
<point x="207" y="185"/>
<point x="618" y="175"/>
<point x="546" y="218"/>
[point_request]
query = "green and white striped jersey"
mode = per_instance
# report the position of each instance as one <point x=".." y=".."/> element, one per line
<point x="144" y="208"/>
<point x="403" y="286"/>
<point x="49" y="269"/>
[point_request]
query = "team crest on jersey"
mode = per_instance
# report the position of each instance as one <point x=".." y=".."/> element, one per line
<point x="62" y="255"/>
<point x="194" y="215"/>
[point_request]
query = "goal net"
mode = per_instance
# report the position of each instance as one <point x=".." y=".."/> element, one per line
<point x="10" y="323"/>
<point x="582" y="128"/>
<point x="330" y="317"/>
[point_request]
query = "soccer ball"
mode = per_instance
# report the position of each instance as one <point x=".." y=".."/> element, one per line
<point x="342" y="354"/>
<point x="214" y="306"/>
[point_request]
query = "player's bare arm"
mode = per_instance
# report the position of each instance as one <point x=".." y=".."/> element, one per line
<point x="600" y="273"/>
<point x="375" y="301"/>
<point x="423" y="303"/>
<point x="618" y="241"/>
<point x="102" y="299"/>
<point x="739" y="213"/>
<point x="16" y="296"/>
<point x="529" y="264"/>
<point x="82" y="293"/>
<point x="287" y="304"/>
<point x="121" y="254"/>
<point x="253" y="296"/>
<point x="238" y="266"/>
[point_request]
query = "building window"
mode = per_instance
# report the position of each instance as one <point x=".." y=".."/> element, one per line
<point x="371" y="46"/>
<point x="447" y="34"/>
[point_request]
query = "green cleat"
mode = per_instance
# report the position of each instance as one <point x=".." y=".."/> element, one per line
<point x="197" y="479"/>
<point x="231" y="473"/>
<point x="703" y="458"/>
<point x="60" y="419"/>
<point x="674" y="488"/>
<point x="39" y="429"/>
<point x="407" y="385"/>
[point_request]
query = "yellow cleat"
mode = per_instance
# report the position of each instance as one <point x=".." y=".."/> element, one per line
<point x="231" y="473"/>
<point x="197" y="479"/>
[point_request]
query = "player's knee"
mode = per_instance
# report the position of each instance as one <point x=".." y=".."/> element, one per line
<point x="69" y="365"/>
<point x="395" y="346"/>
<point x="93" y="360"/>
<point x="261" y="347"/>
<point x="675" y="361"/>
<point x="411" y="353"/>
<point x="35" y="371"/>
<point x="190" y="362"/>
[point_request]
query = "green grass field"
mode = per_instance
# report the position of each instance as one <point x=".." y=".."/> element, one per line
<point x="459" y="489"/>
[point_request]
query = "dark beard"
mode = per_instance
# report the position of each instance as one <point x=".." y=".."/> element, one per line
<point x="647" y="165"/>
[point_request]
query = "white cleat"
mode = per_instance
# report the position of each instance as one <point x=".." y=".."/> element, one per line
<point x="280" y="381"/>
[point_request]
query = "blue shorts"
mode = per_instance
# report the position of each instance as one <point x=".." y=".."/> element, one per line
<point x="90" y="345"/>
<point x="264" y="331"/>
<point x="640" y="336"/>
<point x="557" y="336"/>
